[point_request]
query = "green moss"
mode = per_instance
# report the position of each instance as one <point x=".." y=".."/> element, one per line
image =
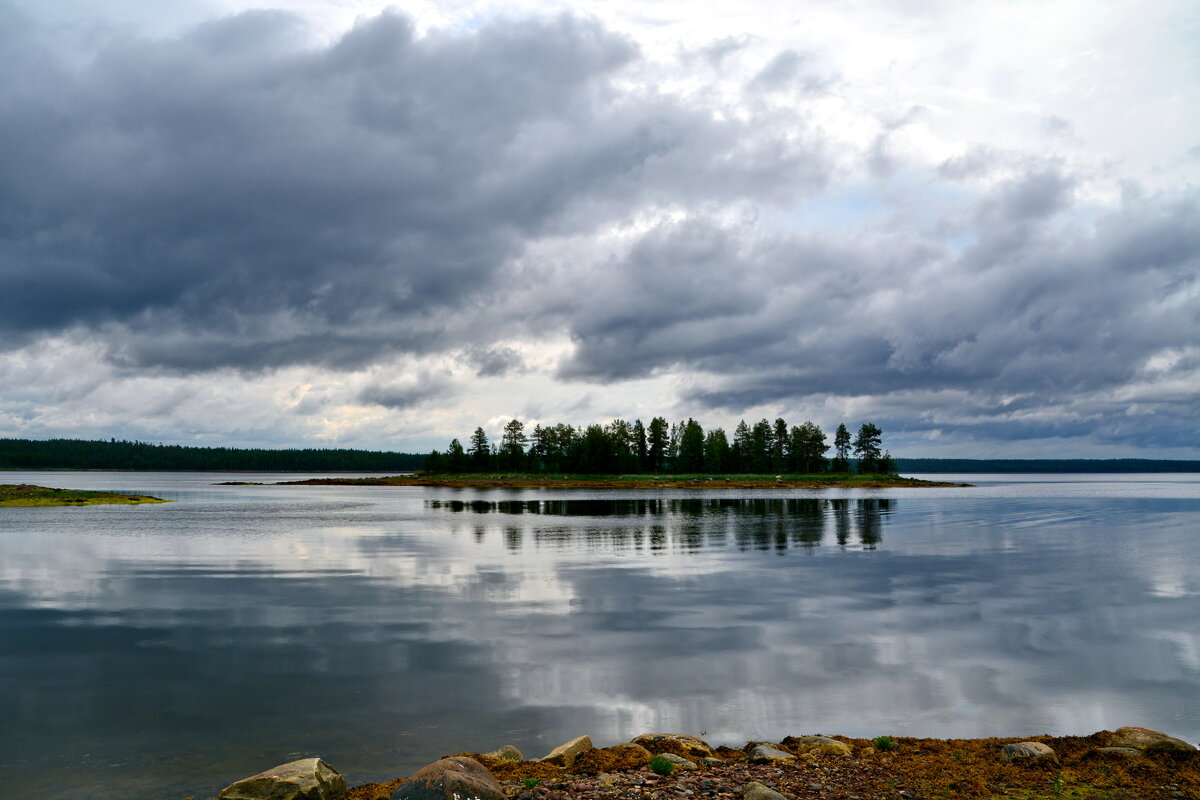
<point x="29" y="495"/>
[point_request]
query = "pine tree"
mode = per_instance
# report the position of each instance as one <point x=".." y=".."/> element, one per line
<point x="656" y="444"/>
<point x="841" y="446"/>
<point x="512" y="445"/>
<point x="639" y="445"/>
<point x="481" y="455"/>
<point x="779" y="446"/>
<point x="867" y="447"/>
<point x="691" y="448"/>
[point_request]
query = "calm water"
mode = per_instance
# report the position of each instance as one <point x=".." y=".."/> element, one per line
<point x="164" y="651"/>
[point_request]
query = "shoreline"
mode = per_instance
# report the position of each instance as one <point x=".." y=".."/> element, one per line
<point x="528" y="481"/>
<point x="27" y="495"/>
<point x="1131" y="763"/>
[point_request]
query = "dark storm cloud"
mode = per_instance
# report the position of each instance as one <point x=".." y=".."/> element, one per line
<point x="235" y="197"/>
<point x="1033" y="303"/>
<point x="493" y="361"/>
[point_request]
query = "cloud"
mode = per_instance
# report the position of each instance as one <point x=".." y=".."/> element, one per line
<point x="235" y="197"/>
<point x="790" y="70"/>
<point x="491" y="362"/>
<point x="564" y="216"/>
<point x="404" y="394"/>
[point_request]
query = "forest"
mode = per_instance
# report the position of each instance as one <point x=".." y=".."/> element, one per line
<point x="683" y="448"/>
<point x="123" y="455"/>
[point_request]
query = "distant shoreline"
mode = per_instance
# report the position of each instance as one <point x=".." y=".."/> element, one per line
<point x="534" y="481"/>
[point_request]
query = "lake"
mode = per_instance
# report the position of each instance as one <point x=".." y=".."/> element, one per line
<point x="164" y="651"/>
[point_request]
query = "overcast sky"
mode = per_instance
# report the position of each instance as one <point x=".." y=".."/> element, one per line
<point x="335" y="223"/>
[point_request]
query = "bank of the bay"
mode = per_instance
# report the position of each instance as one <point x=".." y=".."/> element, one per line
<point x="27" y="494"/>
<point x="1130" y="763"/>
<point x="664" y="481"/>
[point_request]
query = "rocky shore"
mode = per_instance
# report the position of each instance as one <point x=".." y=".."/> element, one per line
<point x="1130" y="763"/>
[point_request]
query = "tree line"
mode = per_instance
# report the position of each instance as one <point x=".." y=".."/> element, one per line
<point x="124" y="455"/>
<point x="661" y="447"/>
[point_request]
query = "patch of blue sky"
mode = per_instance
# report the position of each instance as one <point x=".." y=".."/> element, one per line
<point x="848" y="210"/>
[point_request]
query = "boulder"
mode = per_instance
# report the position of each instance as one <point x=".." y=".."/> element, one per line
<point x="818" y="744"/>
<point x="1148" y="740"/>
<point x="306" y="779"/>
<point x="506" y="753"/>
<point x="565" y="754"/>
<point x="453" y="778"/>
<point x="757" y="791"/>
<point x="609" y="759"/>
<point x="765" y="754"/>
<point x="681" y="744"/>
<point x="1033" y="751"/>
<point x="679" y="762"/>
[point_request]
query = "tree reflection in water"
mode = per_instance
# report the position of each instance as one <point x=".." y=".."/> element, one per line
<point x="684" y="523"/>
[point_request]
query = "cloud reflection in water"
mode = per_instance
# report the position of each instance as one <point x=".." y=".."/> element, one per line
<point x="204" y="640"/>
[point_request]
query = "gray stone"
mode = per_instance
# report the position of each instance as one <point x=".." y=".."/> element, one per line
<point x="679" y="743"/>
<point x="1035" y="751"/>
<point x="306" y="779"/>
<point x="1149" y="740"/>
<point x="565" y="754"/>
<point x="757" y="791"/>
<point x="679" y="761"/>
<point x="506" y="753"/>
<point x="765" y="754"/>
<point x="453" y="778"/>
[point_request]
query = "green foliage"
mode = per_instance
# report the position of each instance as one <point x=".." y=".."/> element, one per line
<point x="661" y="765"/>
<point x="531" y="783"/>
<point x="620" y="448"/>
<point x="481" y="454"/>
<point x="26" y="494"/>
<point x="841" y="446"/>
<point x="123" y="455"/>
<point x="867" y="447"/>
<point x="884" y="743"/>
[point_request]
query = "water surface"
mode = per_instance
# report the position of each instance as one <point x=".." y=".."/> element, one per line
<point x="163" y="651"/>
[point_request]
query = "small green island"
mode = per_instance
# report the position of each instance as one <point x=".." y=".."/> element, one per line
<point x="659" y="456"/>
<point x="852" y="480"/>
<point x="26" y="494"/>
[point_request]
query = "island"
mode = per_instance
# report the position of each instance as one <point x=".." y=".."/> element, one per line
<point x="542" y="481"/>
<point x="26" y="494"/>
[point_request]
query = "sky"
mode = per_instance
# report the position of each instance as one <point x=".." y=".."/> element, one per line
<point x="337" y="223"/>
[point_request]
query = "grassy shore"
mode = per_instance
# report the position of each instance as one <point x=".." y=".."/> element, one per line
<point x="517" y="480"/>
<point x="26" y="494"/>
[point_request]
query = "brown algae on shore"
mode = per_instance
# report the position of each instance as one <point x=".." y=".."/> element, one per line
<point x="908" y="769"/>
<point x="27" y="495"/>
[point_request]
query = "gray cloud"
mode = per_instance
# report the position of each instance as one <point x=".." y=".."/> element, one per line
<point x="493" y="361"/>
<point x="236" y="197"/>
<point x="1034" y="306"/>
<point x="242" y="198"/>
<point x="791" y="70"/>
<point x="406" y="393"/>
